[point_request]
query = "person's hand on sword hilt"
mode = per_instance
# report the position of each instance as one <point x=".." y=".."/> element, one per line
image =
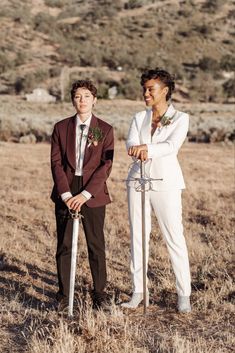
<point x="139" y="151"/>
<point x="75" y="203"/>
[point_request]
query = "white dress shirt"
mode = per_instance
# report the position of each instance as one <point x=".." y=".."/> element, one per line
<point x="80" y="134"/>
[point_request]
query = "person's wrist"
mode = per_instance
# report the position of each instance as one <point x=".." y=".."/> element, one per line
<point x="67" y="199"/>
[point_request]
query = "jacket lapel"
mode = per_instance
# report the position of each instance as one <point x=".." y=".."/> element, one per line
<point x="88" y="150"/>
<point x="145" y="132"/>
<point x="159" y="136"/>
<point x="170" y="111"/>
<point x="71" y="142"/>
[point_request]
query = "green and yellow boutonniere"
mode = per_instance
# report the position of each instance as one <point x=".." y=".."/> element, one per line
<point x="166" y="120"/>
<point x="95" y="135"/>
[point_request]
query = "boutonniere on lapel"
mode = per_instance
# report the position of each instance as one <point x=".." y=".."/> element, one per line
<point x="95" y="135"/>
<point x="166" y="120"/>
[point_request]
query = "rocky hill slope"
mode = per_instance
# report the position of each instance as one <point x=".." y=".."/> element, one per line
<point x="48" y="43"/>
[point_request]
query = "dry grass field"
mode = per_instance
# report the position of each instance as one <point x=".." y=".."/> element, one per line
<point x="29" y="322"/>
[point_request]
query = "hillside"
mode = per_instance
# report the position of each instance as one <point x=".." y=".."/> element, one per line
<point x="48" y="43"/>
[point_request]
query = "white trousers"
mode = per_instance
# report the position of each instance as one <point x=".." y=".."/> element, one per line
<point x="167" y="207"/>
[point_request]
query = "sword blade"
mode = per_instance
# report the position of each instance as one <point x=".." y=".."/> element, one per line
<point x="73" y="265"/>
<point x="142" y="172"/>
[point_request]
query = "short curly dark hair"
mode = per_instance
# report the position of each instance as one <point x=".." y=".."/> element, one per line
<point x="164" y="76"/>
<point x="88" y="84"/>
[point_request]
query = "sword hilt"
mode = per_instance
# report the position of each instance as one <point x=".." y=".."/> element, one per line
<point x="142" y="169"/>
<point x="75" y="214"/>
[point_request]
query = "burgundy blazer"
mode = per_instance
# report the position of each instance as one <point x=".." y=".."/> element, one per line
<point x="97" y="162"/>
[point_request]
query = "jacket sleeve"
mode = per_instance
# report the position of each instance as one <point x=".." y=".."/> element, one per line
<point x="57" y="168"/>
<point x="173" y="142"/>
<point x="101" y="174"/>
<point x="133" y="135"/>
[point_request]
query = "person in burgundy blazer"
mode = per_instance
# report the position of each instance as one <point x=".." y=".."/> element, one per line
<point x="80" y="166"/>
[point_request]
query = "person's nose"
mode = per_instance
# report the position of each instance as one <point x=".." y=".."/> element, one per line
<point x="146" y="92"/>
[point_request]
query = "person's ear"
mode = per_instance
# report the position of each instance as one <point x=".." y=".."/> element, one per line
<point x="165" y="90"/>
<point x="94" y="101"/>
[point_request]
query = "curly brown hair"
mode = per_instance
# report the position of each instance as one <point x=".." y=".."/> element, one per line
<point x="88" y="84"/>
<point x="164" y="76"/>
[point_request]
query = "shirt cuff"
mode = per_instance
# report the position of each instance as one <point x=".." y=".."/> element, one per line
<point x="86" y="194"/>
<point x="66" y="195"/>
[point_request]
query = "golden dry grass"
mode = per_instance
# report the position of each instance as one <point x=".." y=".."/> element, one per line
<point x="28" y="275"/>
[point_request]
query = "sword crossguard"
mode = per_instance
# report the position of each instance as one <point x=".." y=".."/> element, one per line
<point x="140" y="183"/>
<point x="75" y="214"/>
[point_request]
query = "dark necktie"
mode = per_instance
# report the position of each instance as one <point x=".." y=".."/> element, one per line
<point x="82" y="127"/>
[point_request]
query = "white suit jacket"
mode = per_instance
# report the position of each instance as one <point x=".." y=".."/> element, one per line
<point x="162" y="149"/>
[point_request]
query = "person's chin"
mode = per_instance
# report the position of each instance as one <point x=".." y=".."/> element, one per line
<point x="149" y="103"/>
<point x="83" y="111"/>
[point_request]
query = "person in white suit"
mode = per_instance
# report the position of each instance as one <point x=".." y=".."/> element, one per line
<point x="155" y="136"/>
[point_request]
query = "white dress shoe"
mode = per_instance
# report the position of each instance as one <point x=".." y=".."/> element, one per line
<point x="136" y="299"/>
<point x="184" y="304"/>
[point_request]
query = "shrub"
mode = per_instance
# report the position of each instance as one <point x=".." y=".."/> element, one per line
<point x="55" y="3"/>
<point x="130" y="86"/>
<point x="103" y="90"/>
<point x="69" y="11"/>
<point x="55" y="71"/>
<point x="21" y="58"/>
<point x="5" y="63"/>
<point x="30" y="80"/>
<point x="203" y="29"/>
<point x="133" y="4"/>
<point x="208" y="64"/>
<point x="229" y="87"/>
<point x="43" y="22"/>
<point x="211" y="5"/>
<point x="18" y="13"/>
<point x="227" y="63"/>
<point x="104" y="81"/>
<point x="203" y="88"/>
<point x="107" y="8"/>
<point x="69" y="53"/>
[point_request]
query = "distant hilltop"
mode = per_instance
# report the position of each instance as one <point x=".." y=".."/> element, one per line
<point x="49" y="43"/>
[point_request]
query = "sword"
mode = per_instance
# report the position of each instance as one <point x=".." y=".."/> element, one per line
<point x="142" y="176"/>
<point x="140" y="186"/>
<point x="75" y="216"/>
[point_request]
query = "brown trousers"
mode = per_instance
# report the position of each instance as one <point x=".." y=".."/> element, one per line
<point x="93" y="223"/>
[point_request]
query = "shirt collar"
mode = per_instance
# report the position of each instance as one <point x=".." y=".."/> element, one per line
<point x="86" y="122"/>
